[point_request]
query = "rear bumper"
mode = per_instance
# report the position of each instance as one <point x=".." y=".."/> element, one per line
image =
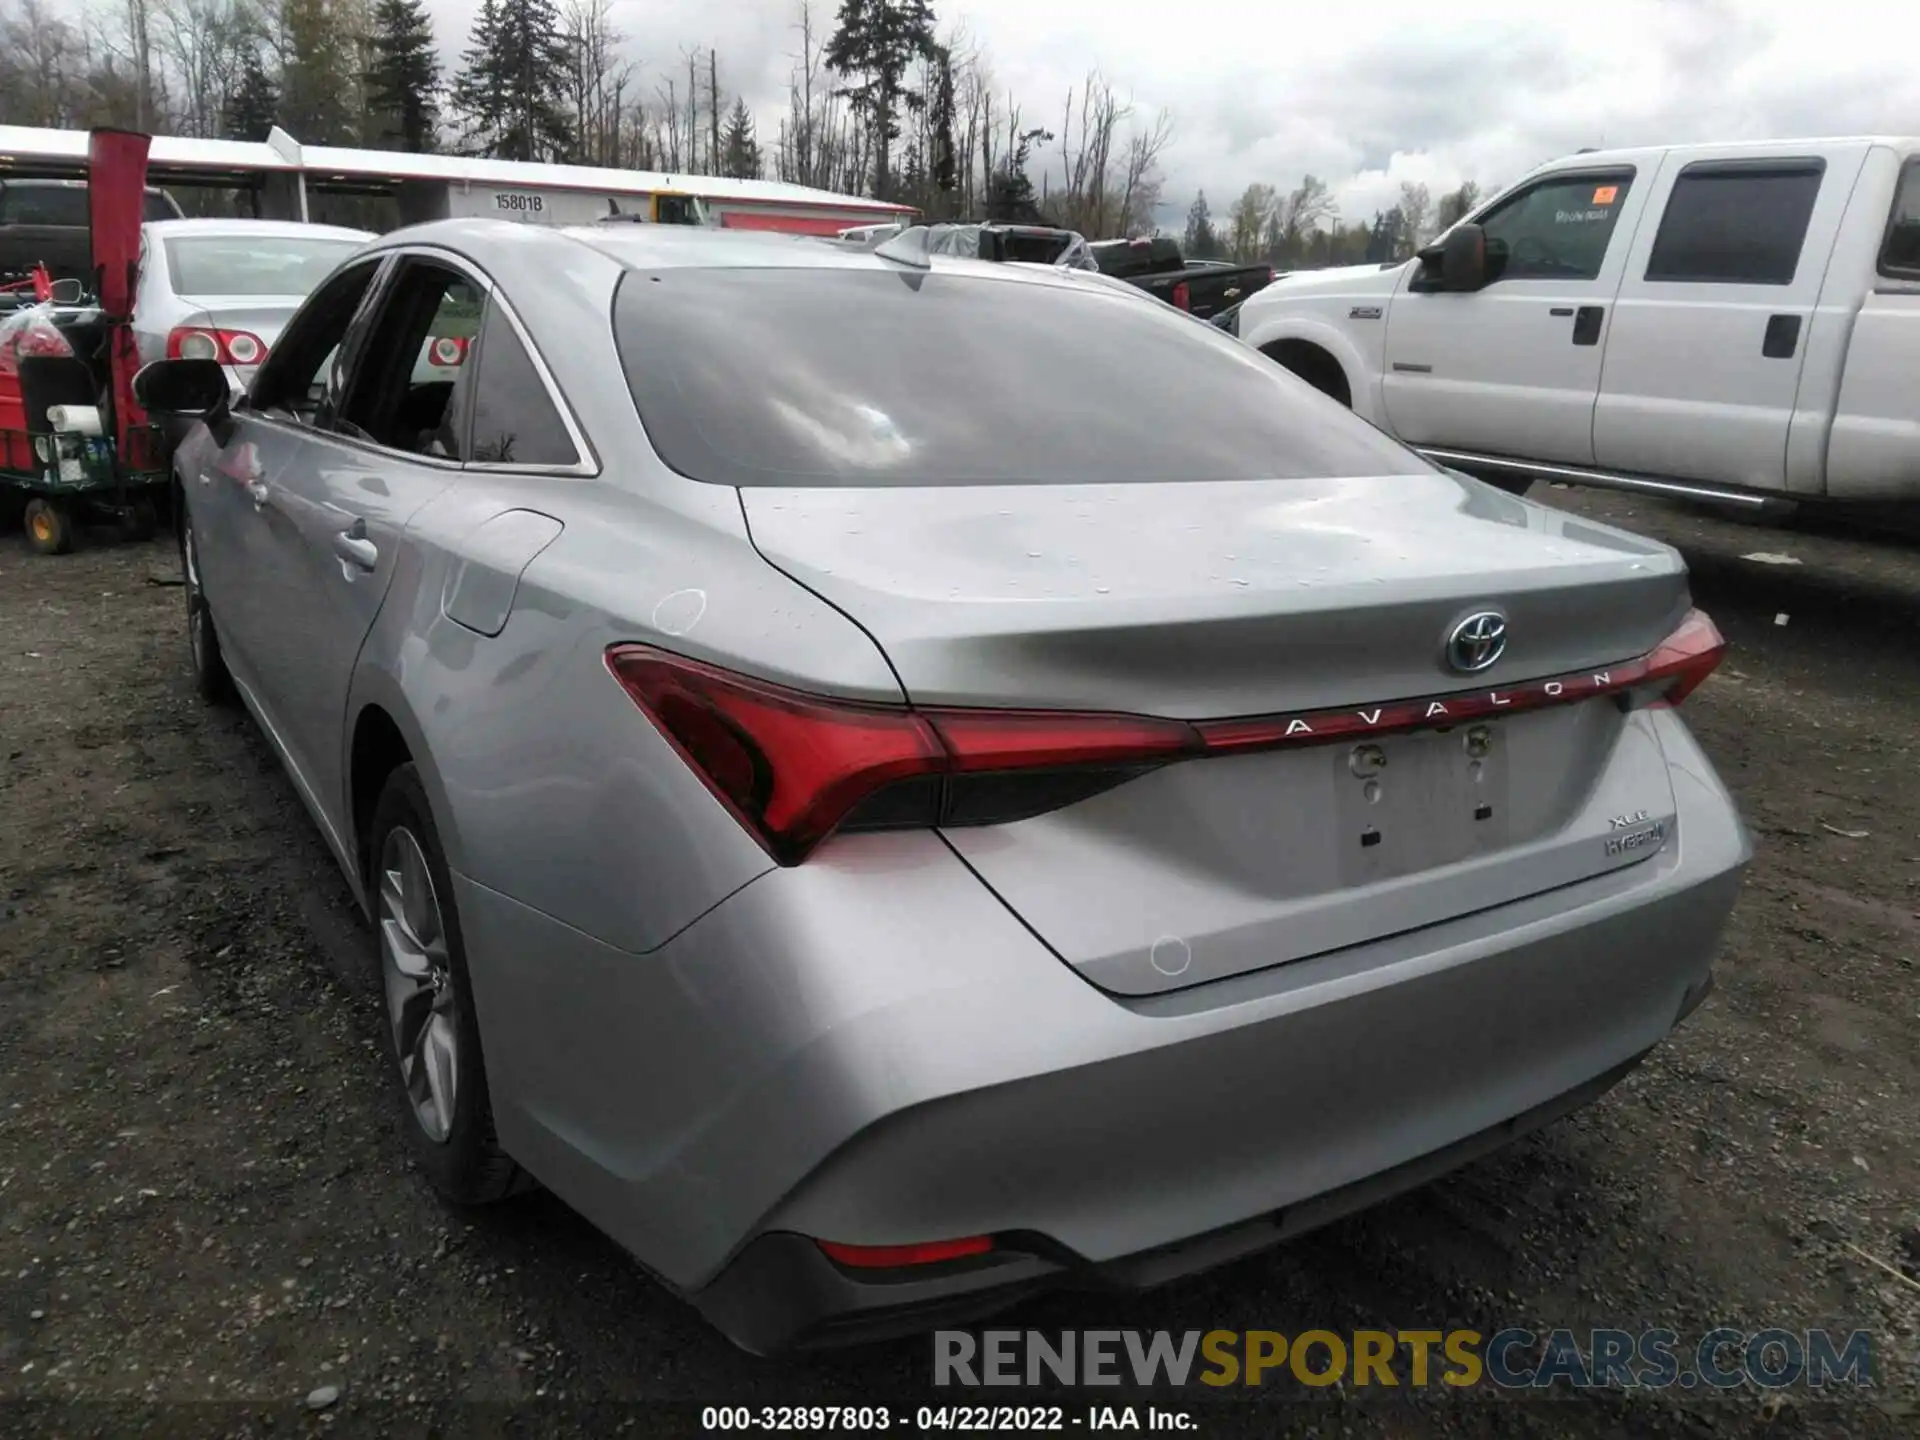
<point x="782" y="1293"/>
<point x="871" y="1049"/>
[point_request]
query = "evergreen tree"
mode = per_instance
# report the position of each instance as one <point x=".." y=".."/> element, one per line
<point x="316" y="73"/>
<point x="512" y="77"/>
<point x="1388" y="236"/>
<point x="1200" y="242"/>
<point x="876" y="42"/>
<point x="254" y="106"/>
<point x="1010" y="196"/>
<point x="739" y="151"/>
<point x="1455" y="205"/>
<point x="403" y="82"/>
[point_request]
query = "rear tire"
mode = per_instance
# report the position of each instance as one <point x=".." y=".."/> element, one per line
<point x="210" y="674"/>
<point x="49" y="525"/>
<point x="432" y="1033"/>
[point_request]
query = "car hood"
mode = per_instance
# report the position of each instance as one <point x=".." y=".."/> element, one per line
<point x="1346" y="279"/>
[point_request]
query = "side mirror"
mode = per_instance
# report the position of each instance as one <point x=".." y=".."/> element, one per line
<point x="1463" y="259"/>
<point x="186" y="389"/>
<point x="67" y="292"/>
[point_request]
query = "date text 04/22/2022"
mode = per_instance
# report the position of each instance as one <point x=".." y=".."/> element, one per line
<point x="935" y="1418"/>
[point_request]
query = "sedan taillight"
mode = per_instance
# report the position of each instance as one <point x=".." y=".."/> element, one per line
<point x="229" y="347"/>
<point x="793" y="768"/>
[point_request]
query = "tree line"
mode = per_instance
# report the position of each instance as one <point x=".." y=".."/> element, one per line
<point x="1301" y="229"/>
<point x="883" y="100"/>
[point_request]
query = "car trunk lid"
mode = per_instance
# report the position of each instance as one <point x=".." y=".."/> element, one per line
<point x="1208" y="601"/>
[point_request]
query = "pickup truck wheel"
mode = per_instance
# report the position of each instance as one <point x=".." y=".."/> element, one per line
<point x="1313" y="365"/>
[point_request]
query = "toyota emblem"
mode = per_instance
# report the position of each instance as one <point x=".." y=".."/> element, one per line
<point x="1477" y="641"/>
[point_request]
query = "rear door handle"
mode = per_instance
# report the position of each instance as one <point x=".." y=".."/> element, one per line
<point x="1586" y="324"/>
<point x="353" y="546"/>
<point x="1782" y="338"/>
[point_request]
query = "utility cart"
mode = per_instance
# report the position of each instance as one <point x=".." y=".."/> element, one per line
<point x="74" y="444"/>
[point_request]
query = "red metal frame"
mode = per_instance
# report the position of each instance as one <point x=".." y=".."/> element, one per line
<point x="116" y="200"/>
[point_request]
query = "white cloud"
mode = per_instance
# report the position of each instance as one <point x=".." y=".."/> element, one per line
<point x="1372" y="93"/>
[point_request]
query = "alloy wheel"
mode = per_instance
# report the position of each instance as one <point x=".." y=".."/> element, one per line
<point x="419" y="984"/>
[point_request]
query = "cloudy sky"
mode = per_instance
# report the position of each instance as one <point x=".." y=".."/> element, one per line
<point x="1367" y="93"/>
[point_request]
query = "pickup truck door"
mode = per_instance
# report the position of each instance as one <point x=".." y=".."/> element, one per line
<point x="1514" y="368"/>
<point x="1709" y="332"/>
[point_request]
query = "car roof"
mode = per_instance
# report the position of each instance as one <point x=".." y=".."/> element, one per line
<point x="166" y="229"/>
<point x="498" y="246"/>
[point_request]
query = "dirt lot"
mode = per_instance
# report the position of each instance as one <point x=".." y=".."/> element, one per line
<point x="205" y="1215"/>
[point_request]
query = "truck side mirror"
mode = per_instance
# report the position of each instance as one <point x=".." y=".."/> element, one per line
<point x="1463" y="259"/>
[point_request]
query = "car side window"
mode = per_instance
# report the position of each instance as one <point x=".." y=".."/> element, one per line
<point x="1900" y="252"/>
<point x="397" y="397"/>
<point x="298" y="378"/>
<point x="1558" y="229"/>
<point x="515" y="420"/>
<point x="1736" y="224"/>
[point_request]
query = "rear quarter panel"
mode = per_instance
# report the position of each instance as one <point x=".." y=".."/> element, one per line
<point x="550" y="784"/>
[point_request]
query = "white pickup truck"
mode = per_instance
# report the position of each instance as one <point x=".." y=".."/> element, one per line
<point x="1729" y="322"/>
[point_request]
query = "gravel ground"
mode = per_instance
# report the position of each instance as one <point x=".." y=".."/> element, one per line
<point x="206" y="1216"/>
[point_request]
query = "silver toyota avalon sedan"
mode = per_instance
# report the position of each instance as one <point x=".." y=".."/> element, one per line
<point x="888" y="783"/>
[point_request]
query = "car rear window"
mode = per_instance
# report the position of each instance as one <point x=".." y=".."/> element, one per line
<point x="24" y="203"/>
<point x="253" y="264"/>
<point x="1736" y="224"/>
<point x="30" y="204"/>
<point x="869" y="377"/>
<point x="1900" y="253"/>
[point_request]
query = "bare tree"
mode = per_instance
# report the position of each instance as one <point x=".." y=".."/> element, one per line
<point x="1140" y="179"/>
<point x="668" y="122"/>
<point x="1416" y="210"/>
<point x="713" y="113"/>
<point x="597" y="79"/>
<point x="43" y="67"/>
<point x="203" y="45"/>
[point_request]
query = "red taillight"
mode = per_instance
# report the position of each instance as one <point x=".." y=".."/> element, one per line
<point x="983" y="740"/>
<point x="1180" y="296"/>
<point x="793" y="767"/>
<point x="229" y="347"/>
<point x="892" y="1257"/>
<point x="789" y="766"/>
<point x="1685" y="658"/>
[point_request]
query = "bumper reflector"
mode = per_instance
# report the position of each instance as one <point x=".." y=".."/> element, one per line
<point x="893" y="1257"/>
